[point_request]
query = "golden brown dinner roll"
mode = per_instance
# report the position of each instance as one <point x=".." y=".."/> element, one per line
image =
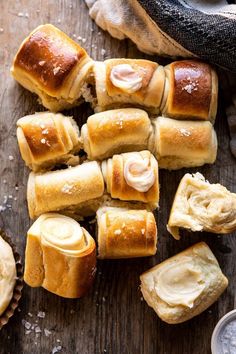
<point x="46" y="139"/>
<point x="125" y="233"/>
<point x="191" y="91"/>
<point x="132" y="176"/>
<point x="53" y="66"/>
<point x="201" y="206"/>
<point x="62" y="189"/>
<point x="184" y="285"/>
<point x="177" y="144"/>
<point x="122" y="82"/>
<point x="60" y="256"/>
<point x="116" y="131"/>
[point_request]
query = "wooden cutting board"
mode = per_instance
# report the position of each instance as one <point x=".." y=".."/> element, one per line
<point x="113" y="318"/>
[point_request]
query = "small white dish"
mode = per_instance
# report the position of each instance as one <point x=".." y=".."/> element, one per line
<point x="223" y="340"/>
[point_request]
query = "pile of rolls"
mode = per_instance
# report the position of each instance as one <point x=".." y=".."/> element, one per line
<point x="146" y="117"/>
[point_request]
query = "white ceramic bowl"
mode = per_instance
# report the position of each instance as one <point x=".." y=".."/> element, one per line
<point x="216" y="344"/>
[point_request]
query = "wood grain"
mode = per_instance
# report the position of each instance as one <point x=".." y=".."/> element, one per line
<point x="112" y="318"/>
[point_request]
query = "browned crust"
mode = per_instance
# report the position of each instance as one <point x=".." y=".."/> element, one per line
<point x="145" y="68"/>
<point x="137" y="237"/>
<point x="41" y="144"/>
<point x="49" y="56"/>
<point x="112" y="128"/>
<point x="190" y="89"/>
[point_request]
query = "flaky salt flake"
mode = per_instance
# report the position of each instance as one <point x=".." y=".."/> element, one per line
<point x="41" y="314"/>
<point x="37" y="329"/>
<point x="26" y="324"/>
<point x="47" y="332"/>
<point x="10" y="157"/>
<point x="84" y="40"/>
<point x="143" y="231"/>
<point x="42" y="62"/>
<point x="43" y="141"/>
<point x="67" y="189"/>
<point x="56" y="70"/>
<point x="56" y="349"/>
<point x="20" y="14"/>
<point x="117" y="232"/>
<point x="1" y="30"/>
<point x="103" y="51"/>
<point x="185" y="132"/>
<point x="30" y="314"/>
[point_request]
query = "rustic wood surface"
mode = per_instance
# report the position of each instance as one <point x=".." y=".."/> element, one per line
<point x="113" y="318"/>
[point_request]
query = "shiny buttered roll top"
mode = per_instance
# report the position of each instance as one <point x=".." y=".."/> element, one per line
<point x="46" y="139"/>
<point x="53" y="66"/>
<point x="191" y="91"/>
<point x="62" y="189"/>
<point x="129" y="81"/>
<point x="116" y="131"/>
<point x="60" y="256"/>
<point x="181" y="143"/>
<point x="201" y="206"/>
<point x="132" y="176"/>
<point x="125" y="233"/>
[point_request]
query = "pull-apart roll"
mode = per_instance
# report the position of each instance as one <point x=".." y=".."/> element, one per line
<point x="116" y="131"/>
<point x="124" y="82"/>
<point x="60" y="256"/>
<point x="191" y="91"/>
<point x="177" y="144"/>
<point x="184" y="285"/>
<point x="63" y="189"/>
<point x="53" y="66"/>
<point x="201" y="206"/>
<point x="125" y="233"/>
<point x="132" y="176"/>
<point x="46" y="139"/>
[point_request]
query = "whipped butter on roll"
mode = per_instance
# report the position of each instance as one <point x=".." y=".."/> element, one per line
<point x="126" y="78"/>
<point x="63" y="233"/>
<point x="138" y="174"/>
<point x="180" y="283"/>
<point x="60" y="256"/>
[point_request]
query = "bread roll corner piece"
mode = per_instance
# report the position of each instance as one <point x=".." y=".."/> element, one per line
<point x="184" y="285"/>
<point x="201" y="206"/>
<point x="53" y="66"/>
<point x="60" y="256"/>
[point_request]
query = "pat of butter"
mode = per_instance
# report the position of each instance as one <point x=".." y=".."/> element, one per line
<point x="126" y="78"/>
<point x="179" y="283"/>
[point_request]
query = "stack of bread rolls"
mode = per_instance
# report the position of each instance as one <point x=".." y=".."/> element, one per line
<point x="147" y="115"/>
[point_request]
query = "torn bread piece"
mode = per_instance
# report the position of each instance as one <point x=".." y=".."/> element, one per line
<point x="201" y="206"/>
<point x="184" y="285"/>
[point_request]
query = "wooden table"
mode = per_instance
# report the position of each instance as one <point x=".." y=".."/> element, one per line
<point x="113" y="318"/>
